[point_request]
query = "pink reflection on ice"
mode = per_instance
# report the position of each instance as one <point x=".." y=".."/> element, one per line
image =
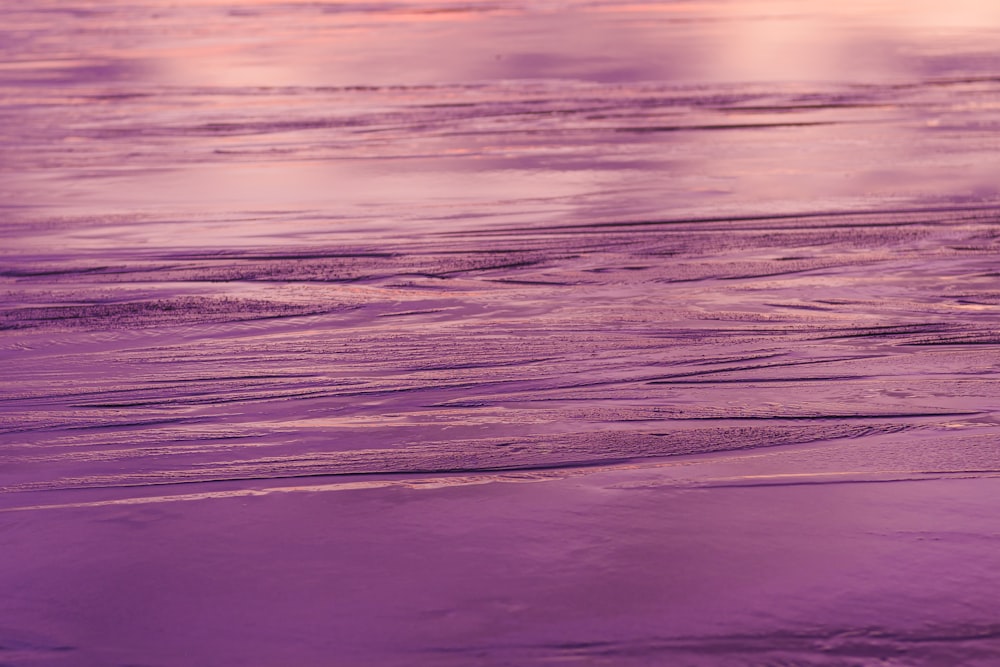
<point x="425" y="332"/>
<point x="240" y="90"/>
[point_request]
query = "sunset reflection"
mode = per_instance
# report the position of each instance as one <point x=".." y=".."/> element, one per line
<point x="208" y="84"/>
<point x="631" y="333"/>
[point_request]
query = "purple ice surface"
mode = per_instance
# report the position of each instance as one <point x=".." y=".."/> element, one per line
<point x="499" y="333"/>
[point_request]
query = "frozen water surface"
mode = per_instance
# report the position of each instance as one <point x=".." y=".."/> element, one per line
<point x="416" y="333"/>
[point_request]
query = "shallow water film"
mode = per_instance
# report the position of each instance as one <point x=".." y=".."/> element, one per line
<point x="604" y="332"/>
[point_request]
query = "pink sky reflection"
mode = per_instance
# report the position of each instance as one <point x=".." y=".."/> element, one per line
<point x="212" y="107"/>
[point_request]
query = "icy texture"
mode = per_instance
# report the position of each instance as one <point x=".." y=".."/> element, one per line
<point x="638" y="295"/>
